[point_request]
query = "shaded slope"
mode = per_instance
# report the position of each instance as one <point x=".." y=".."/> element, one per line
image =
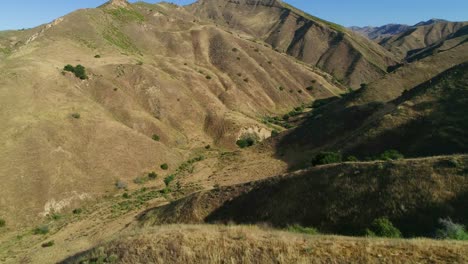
<point x="347" y="56"/>
<point x="157" y="73"/>
<point x="342" y="198"/>
<point x="426" y="120"/>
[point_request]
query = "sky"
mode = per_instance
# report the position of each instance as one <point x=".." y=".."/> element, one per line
<point x="18" y="14"/>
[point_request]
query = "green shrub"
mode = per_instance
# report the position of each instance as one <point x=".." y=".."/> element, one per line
<point x="208" y="77"/>
<point x="77" y="211"/>
<point x="391" y="155"/>
<point x="2" y="222"/>
<point x="310" y="88"/>
<point x="169" y="179"/>
<point x="97" y="56"/>
<point x="165" y="166"/>
<point x="152" y="175"/>
<point x="302" y="230"/>
<point x="383" y="227"/>
<point x="327" y="157"/>
<point x="41" y="230"/>
<point x="156" y="137"/>
<point x="76" y="115"/>
<point x="245" y="142"/>
<point x="208" y="147"/>
<point x="451" y="230"/>
<point x="48" y="244"/>
<point x="125" y="196"/>
<point x="281" y="88"/>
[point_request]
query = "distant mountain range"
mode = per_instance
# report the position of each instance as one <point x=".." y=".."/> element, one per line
<point x="377" y="33"/>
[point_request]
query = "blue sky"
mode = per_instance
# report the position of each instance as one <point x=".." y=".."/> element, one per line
<point x="17" y="14"/>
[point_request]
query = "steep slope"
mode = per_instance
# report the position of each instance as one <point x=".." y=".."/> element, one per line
<point x="419" y="37"/>
<point x="426" y="120"/>
<point x="346" y="55"/>
<point x="152" y="72"/>
<point x="338" y="199"/>
<point x="378" y="33"/>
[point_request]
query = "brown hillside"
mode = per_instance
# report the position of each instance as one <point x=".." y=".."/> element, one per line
<point x="346" y="55"/>
<point x="157" y="73"/>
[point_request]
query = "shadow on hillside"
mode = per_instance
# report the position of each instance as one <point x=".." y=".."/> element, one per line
<point x="336" y="200"/>
<point x="435" y="126"/>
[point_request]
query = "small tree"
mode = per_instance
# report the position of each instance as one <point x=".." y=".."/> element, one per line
<point x="80" y="72"/>
<point x="165" y="166"/>
<point x="156" y="137"/>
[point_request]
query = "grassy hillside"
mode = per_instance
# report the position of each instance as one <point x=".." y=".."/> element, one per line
<point x="246" y="244"/>
<point x="338" y="199"/>
<point x="152" y="73"/>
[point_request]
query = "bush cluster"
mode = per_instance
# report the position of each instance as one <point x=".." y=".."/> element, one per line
<point x="451" y="230"/>
<point x="79" y="71"/>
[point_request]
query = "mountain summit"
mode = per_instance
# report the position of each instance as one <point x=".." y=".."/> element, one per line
<point x="117" y="3"/>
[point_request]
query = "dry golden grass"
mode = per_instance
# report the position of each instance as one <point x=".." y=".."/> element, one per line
<point x="249" y="244"/>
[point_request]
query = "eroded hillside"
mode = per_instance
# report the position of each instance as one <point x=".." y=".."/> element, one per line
<point x="347" y="56"/>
